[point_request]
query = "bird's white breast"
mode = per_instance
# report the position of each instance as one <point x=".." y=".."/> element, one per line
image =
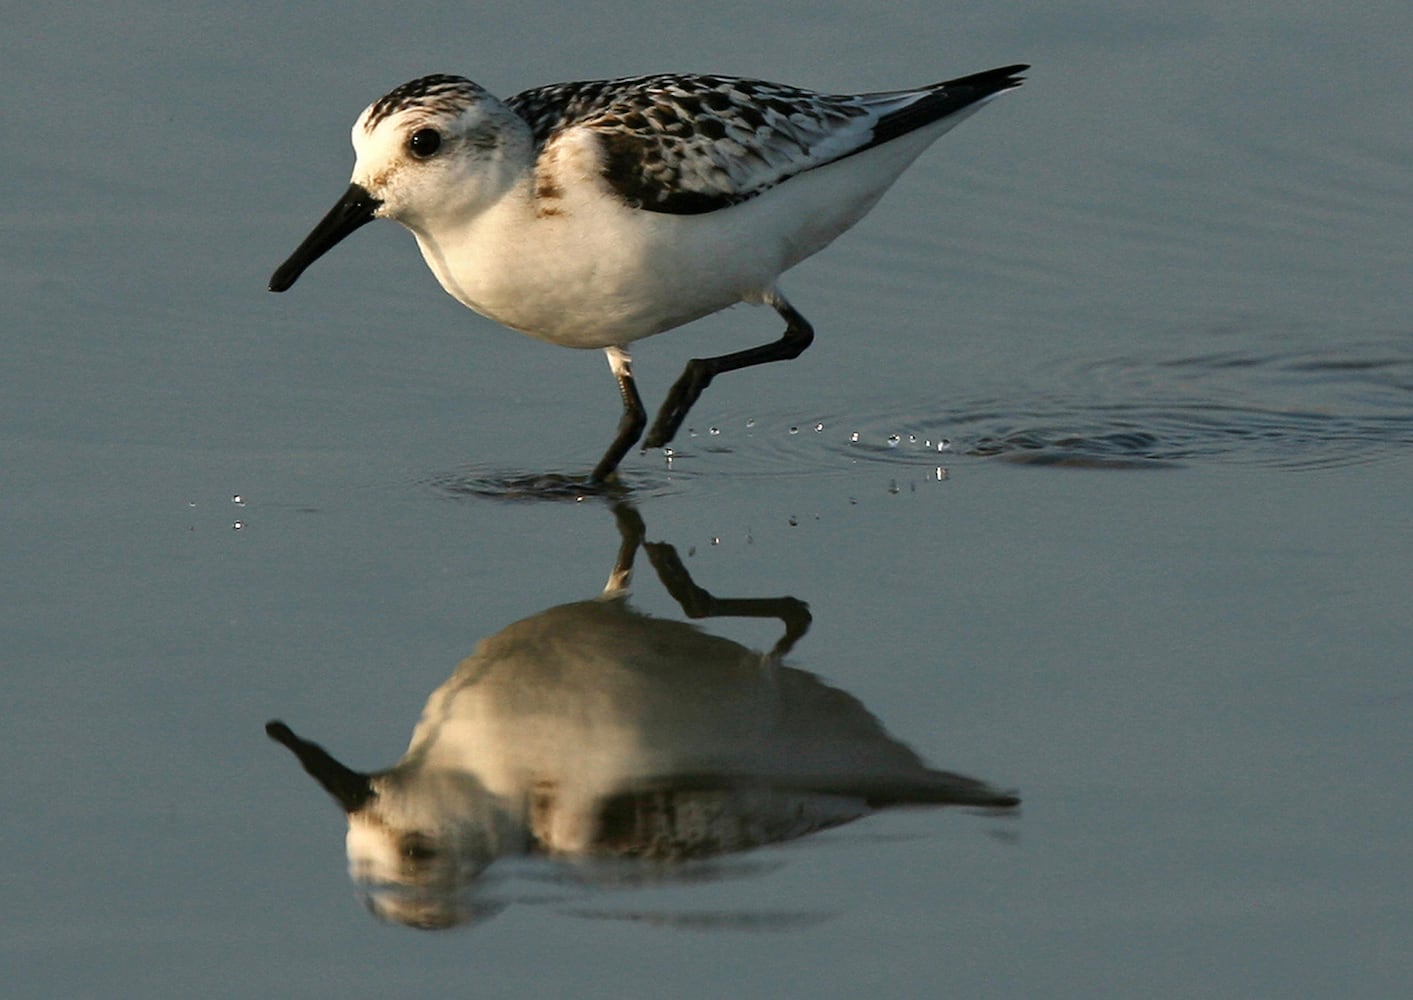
<point x="562" y="258"/>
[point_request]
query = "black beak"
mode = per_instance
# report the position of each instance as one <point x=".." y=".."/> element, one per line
<point x="351" y="789"/>
<point x="354" y="209"/>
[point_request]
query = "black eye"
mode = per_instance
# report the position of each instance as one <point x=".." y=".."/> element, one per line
<point x="424" y="143"/>
<point x="417" y="847"/>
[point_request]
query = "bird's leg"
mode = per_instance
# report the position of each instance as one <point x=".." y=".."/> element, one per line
<point x="700" y="371"/>
<point x="634" y="418"/>
<point x="631" y="532"/>
<point x="700" y="603"/>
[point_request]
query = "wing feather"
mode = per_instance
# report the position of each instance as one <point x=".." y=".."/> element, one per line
<point x="688" y="144"/>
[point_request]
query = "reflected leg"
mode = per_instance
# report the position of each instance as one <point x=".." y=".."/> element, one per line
<point x="630" y="536"/>
<point x="696" y="602"/>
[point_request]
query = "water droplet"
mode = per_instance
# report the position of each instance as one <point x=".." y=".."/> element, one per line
<point x="716" y="539"/>
<point x="941" y="473"/>
<point x="893" y="440"/>
<point x="854" y="437"/>
<point x="750" y="423"/>
<point x="238" y="525"/>
<point x="943" y="444"/>
<point x="818" y="428"/>
<point x="893" y="487"/>
<point x="238" y="499"/>
<point x="793" y="521"/>
<point x="912" y="439"/>
<point x="794" y="430"/>
<point x="691" y="432"/>
<point x="714" y="431"/>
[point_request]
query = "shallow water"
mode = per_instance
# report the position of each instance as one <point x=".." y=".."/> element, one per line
<point x="1094" y="481"/>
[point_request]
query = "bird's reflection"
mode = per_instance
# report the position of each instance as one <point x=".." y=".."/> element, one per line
<point x="591" y="731"/>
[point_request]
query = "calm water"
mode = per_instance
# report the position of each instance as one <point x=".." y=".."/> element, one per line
<point x="1095" y="482"/>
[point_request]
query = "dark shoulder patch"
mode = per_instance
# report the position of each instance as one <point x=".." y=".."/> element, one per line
<point x="645" y="179"/>
<point x="689" y="144"/>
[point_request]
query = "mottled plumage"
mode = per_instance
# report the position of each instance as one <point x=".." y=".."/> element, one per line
<point x="685" y="144"/>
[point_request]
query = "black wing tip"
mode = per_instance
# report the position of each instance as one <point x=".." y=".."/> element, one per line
<point x="991" y="80"/>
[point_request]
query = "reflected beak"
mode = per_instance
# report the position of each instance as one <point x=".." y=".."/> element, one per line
<point x="351" y="789"/>
<point x="354" y="209"/>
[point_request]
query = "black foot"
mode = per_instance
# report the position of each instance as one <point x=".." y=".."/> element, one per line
<point x="628" y="430"/>
<point x="685" y="391"/>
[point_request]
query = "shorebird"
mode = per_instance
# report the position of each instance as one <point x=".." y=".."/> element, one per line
<point x="593" y="731"/>
<point x="597" y="213"/>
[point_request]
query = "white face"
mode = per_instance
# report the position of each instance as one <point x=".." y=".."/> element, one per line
<point x="432" y="156"/>
<point x="428" y="830"/>
<point x="419" y="874"/>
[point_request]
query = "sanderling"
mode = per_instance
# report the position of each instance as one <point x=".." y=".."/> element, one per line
<point x="594" y="214"/>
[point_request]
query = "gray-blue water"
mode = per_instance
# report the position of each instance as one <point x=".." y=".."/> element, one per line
<point x="1095" y="480"/>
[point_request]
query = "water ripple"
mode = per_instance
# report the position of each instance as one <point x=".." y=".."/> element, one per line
<point x="1291" y="409"/>
<point x="1294" y="409"/>
<point x="487" y="483"/>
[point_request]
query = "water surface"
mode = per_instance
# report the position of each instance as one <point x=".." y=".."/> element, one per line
<point x="1094" y="481"/>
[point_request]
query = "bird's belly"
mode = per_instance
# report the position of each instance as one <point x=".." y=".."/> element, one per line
<point x="580" y="287"/>
<point x="598" y="273"/>
<point x="594" y="309"/>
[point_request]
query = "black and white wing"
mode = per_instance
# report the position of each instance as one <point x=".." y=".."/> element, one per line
<point x="687" y="144"/>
